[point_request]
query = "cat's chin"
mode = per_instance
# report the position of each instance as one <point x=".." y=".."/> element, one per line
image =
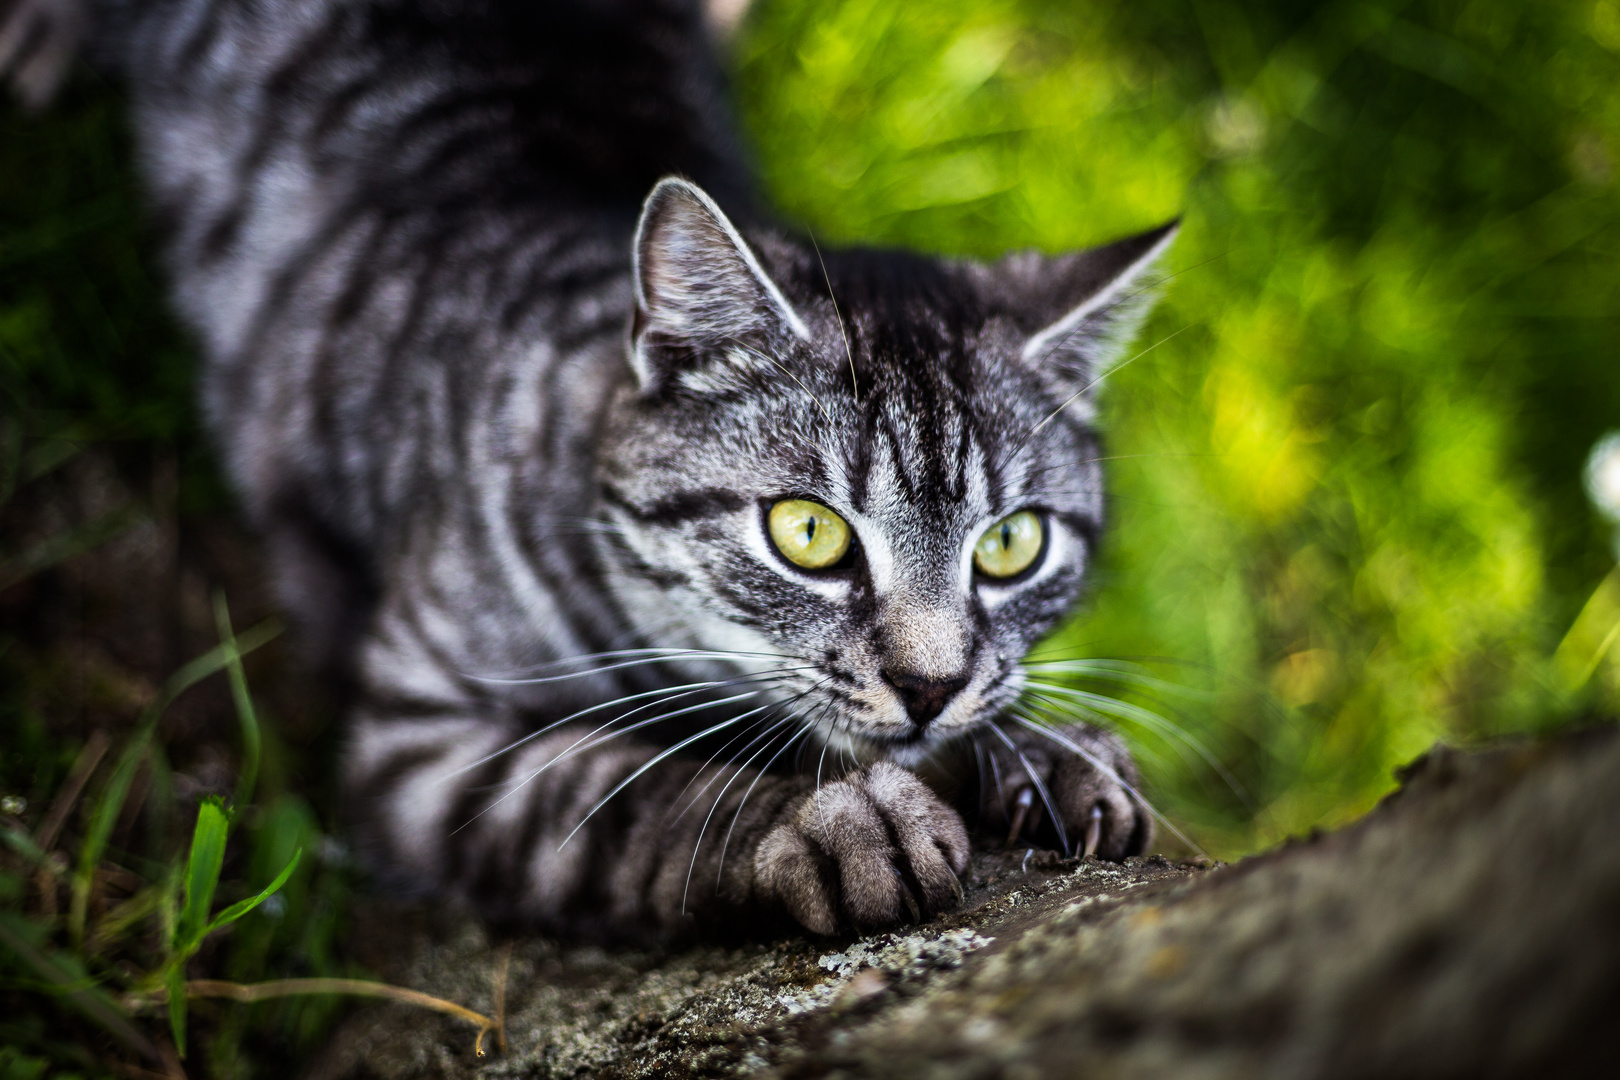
<point x="909" y="751"/>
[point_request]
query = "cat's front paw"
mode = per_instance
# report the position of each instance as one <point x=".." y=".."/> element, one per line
<point x="1087" y="776"/>
<point x="865" y="852"/>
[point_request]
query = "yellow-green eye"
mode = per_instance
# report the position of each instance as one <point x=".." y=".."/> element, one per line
<point x="808" y="534"/>
<point x="1008" y="546"/>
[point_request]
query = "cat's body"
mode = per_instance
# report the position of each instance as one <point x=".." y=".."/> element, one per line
<point x="492" y="415"/>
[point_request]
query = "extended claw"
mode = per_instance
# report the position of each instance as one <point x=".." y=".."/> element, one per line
<point x="1024" y="800"/>
<point x="911" y="905"/>
<point x="1094" y="829"/>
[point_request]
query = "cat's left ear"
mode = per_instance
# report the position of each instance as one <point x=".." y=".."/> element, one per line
<point x="703" y="302"/>
<point x="1082" y="310"/>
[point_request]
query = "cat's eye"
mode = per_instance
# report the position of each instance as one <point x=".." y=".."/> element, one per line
<point x="1008" y="547"/>
<point x="808" y="534"/>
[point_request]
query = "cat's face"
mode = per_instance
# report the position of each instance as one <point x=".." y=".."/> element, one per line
<point x="886" y="502"/>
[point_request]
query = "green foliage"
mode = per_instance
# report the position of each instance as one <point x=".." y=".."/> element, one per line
<point x="1346" y="496"/>
<point x="179" y="902"/>
<point x="203" y="865"/>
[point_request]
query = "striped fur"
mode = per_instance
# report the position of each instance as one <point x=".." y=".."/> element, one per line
<point x="494" y="408"/>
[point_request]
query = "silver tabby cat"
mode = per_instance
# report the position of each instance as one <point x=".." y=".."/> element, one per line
<point x="680" y="574"/>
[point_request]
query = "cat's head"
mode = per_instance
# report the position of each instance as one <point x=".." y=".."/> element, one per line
<point x="879" y="468"/>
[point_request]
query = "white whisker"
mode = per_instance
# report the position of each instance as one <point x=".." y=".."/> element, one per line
<point x="710" y="783"/>
<point x="1040" y="786"/>
<point x="1097" y="763"/>
<point x="697" y="844"/>
<point x="659" y="656"/>
<point x="1101" y="706"/>
<point x="737" y="814"/>
<point x="1029" y="436"/>
<point x="661" y="695"/>
<point x="1104" y="705"/>
<point x="574" y="747"/>
<point x="663" y="755"/>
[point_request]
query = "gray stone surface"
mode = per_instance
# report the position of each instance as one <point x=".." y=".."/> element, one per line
<point x="1468" y="926"/>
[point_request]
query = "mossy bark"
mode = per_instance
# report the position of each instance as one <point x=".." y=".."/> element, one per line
<point x="1468" y="926"/>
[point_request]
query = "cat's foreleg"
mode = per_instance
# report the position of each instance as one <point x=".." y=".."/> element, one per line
<point x="569" y="828"/>
<point x="873" y="849"/>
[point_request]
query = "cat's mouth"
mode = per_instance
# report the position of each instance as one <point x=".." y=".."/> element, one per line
<point x="914" y="743"/>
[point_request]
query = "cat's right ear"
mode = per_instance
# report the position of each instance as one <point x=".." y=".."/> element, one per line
<point x="703" y="303"/>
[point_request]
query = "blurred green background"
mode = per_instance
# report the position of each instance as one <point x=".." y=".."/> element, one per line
<point x="1348" y="515"/>
<point x="1348" y="502"/>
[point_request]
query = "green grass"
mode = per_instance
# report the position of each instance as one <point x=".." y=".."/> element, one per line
<point x="1348" y="514"/>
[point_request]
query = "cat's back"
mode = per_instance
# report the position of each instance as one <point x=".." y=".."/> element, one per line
<point x="400" y="232"/>
<point x="366" y="202"/>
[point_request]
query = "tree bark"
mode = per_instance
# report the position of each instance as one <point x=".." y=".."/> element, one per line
<point x="1469" y="926"/>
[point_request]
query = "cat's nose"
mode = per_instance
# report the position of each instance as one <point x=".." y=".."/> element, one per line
<point x="924" y="697"/>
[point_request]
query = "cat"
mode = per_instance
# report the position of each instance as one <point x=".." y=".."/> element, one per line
<point x="682" y="572"/>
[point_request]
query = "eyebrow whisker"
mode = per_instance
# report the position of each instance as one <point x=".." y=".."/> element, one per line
<point x="844" y="333"/>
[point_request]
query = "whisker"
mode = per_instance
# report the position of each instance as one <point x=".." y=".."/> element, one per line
<point x="736" y="815"/>
<point x="658" y="758"/>
<point x="1096" y="763"/>
<point x="639" y="724"/>
<point x="738" y="771"/>
<point x="665" y="656"/>
<point x="854" y="386"/>
<point x="574" y="747"/>
<point x="1124" y="710"/>
<point x="978" y="759"/>
<point x="763" y="356"/>
<point x="1062" y="465"/>
<point x="1040" y="786"/>
<point x="1119" y="671"/>
<point x="816" y="793"/>
<point x="1072" y="398"/>
<point x="1080" y="706"/>
<point x="670" y="693"/>
<point x="995" y="771"/>
<point x="659" y="696"/>
<point x="1147" y="287"/>
<point x="1109" y="705"/>
<point x="710" y="783"/>
<point x="704" y="769"/>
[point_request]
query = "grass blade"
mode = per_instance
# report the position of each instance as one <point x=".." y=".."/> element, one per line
<point x="84" y="766"/>
<point x="195" y="671"/>
<point x="111" y="804"/>
<point x="245" y="713"/>
<point x="175" y="982"/>
<point x="102" y="821"/>
<point x="265" y="991"/>
<point x="93" y="1004"/>
<point x="202" y="877"/>
<point x="242" y="907"/>
<point x="67" y="544"/>
<point x="24" y="845"/>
